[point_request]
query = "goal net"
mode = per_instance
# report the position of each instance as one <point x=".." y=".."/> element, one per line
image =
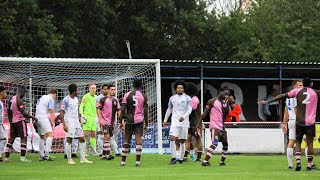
<point x="39" y="75"/>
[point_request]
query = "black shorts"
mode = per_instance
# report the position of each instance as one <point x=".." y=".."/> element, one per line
<point x="18" y="129"/>
<point x="108" y="130"/>
<point x="194" y="132"/>
<point x="134" y="128"/>
<point x="309" y="131"/>
<point x="218" y="135"/>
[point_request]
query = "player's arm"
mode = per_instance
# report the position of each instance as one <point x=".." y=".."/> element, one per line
<point x="51" y="111"/>
<point x="99" y="108"/>
<point x="285" y="120"/>
<point x="10" y="111"/>
<point x="188" y="112"/>
<point x="81" y="107"/>
<point x="168" y="112"/>
<point x="277" y="98"/>
<point x="62" y="113"/>
<point x="23" y="111"/>
<point x="207" y="109"/>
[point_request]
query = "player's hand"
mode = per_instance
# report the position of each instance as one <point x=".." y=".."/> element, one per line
<point x="65" y="127"/>
<point x="35" y="120"/>
<point x="319" y="139"/>
<point x="145" y="129"/>
<point x="262" y="102"/>
<point x="284" y="129"/>
<point x="101" y="123"/>
<point x="164" y="124"/>
<point x="181" y="119"/>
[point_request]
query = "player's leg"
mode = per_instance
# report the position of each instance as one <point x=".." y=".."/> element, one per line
<point x="106" y="154"/>
<point x="173" y="137"/>
<point x="126" y="144"/>
<point x="22" y="133"/>
<point x="183" y="134"/>
<point x="93" y="131"/>
<point x="42" y="147"/>
<point x="310" y="134"/>
<point x="13" y="135"/>
<point x="47" y="130"/>
<point x="100" y="138"/>
<point x="138" y="132"/>
<point x="82" y="145"/>
<point x="224" y="141"/>
<point x="199" y="144"/>
<point x="215" y="139"/>
<point x="68" y="147"/>
<point x="292" y="138"/>
<point x="299" y="136"/>
<point x="3" y="141"/>
<point x="74" y="147"/>
<point x="113" y="143"/>
<point x="188" y="144"/>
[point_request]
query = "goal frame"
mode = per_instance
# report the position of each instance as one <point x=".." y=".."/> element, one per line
<point x="92" y="60"/>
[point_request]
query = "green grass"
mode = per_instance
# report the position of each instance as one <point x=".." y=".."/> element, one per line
<point x="155" y="167"/>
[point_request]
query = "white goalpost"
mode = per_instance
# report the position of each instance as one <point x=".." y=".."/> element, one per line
<point x="39" y="75"/>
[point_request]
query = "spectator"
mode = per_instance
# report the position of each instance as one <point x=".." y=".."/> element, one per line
<point x="234" y="111"/>
<point x="272" y="110"/>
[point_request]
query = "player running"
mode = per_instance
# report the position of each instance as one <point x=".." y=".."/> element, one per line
<point x="70" y="119"/>
<point x="135" y="106"/>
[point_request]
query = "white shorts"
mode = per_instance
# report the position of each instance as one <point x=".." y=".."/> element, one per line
<point x="44" y="126"/>
<point x="3" y="134"/>
<point x="74" y="130"/>
<point x="292" y="129"/>
<point x="180" y="132"/>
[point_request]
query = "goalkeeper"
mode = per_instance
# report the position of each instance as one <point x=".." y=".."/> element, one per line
<point x="88" y="110"/>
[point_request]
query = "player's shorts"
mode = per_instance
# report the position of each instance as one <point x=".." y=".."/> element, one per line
<point x="3" y="134"/>
<point x="18" y="129"/>
<point x="180" y="132"/>
<point x="98" y="125"/>
<point x="90" y="125"/>
<point x="292" y="129"/>
<point x="196" y="132"/>
<point x="218" y="135"/>
<point x="108" y="130"/>
<point x="134" y="128"/>
<point x="43" y="126"/>
<point x="309" y="131"/>
<point x="74" y="130"/>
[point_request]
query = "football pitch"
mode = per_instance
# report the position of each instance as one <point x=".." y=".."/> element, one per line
<point x="155" y="166"/>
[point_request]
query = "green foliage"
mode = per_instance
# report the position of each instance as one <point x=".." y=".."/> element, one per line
<point x="271" y="30"/>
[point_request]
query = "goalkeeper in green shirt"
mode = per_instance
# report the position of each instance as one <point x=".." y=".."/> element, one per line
<point x="88" y="110"/>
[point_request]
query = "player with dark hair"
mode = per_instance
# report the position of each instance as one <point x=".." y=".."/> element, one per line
<point x="194" y="130"/>
<point x="70" y="115"/>
<point x="106" y="111"/>
<point x="3" y="135"/>
<point x="135" y="106"/>
<point x="307" y="100"/>
<point x="45" y="106"/>
<point x="180" y="107"/>
<point x="18" y="126"/>
<point x="218" y="109"/>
